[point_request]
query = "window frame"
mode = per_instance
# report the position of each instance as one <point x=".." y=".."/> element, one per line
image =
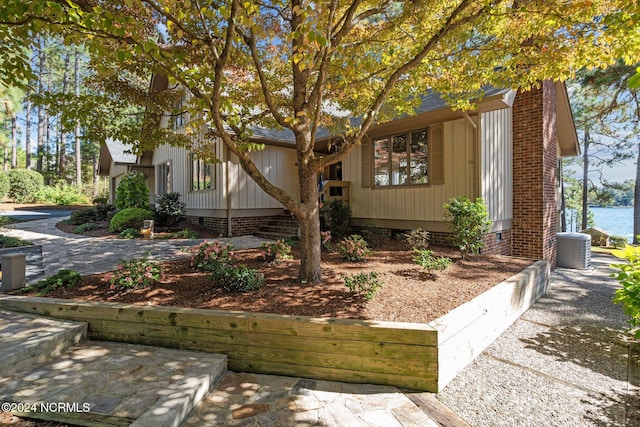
<point x="164" y="177"/>
<point x="200" y="164"/>
<point x="407" y="152"/>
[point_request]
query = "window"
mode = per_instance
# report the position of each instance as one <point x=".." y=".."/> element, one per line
<point x="163" y="177"/>
<point x="401" y="159"/>
<point x="179" y="116"/>
<point x="201" y="174"/>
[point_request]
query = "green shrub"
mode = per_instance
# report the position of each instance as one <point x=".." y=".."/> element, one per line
<point x="136" y="273"/>
<point x="5" y="186"/>
<point x="276" y="251"/>
<point x="12" y="242"/>
<point x="104" y="212"/>
<point x="129" y="218"/>
<point x="629" y="277"/>
<point x="100" y="200"/>
<point x="468" y="222"/>
<point x="82" y="216"/>
<point x="354" y="248"/>
<point x="61" y="194"/>
<point x="366" y="284"/>
<point x="238" y="279"/>
<point x="25" y="185"/>
<point x="425" y="258"/>
<point x="212" y="256"/>
<point x="129" y="233"/>
<point x="87" y="226"/>
<point x="417" y="239"/>
<point x="63" y="277"/>
<point x="169" y="209"/>
<point x="132" y="192"/>
<point x="618" y="242"/>
<point x="187" y="233"/>
<point x="338" y="215"/>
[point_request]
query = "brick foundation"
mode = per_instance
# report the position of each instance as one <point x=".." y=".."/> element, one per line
<point x="534" y="168"/>
<point x="241" y="226"/>
<point x="497" y="243"/>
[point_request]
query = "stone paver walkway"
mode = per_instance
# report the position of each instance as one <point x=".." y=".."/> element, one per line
<point x="89" y="255"/>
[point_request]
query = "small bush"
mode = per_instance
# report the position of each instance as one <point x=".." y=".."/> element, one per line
<point x="62" y="194"/>
<point x="425" y="258"/>
<point x="12" y="242"/>
<point x="187" y="233"/>
<point x="417" y="239"/>
<point x="88" y="226"/>
<point x="5" y="186"/>
<point x="129" y="233"/>
<point x="629" y="277"/>
<point x="132" y="192"/>
<point x="468" y="222"/>
<point x="366" y="284"/>
<point x="354" y="248"/>
<point x="136" y="273"/>
<point x="212" y="256"/>
<point x="104" y="212"/>
<point x="63" y="277"/>
<point x="276" y="251"/>
<point x="618" y="242"/>
<point x="238" y="279"/>
<point x="129" y="218"/>
<point x="338" y="215"/>
<point x="325" y="240"/>
<point x="169" y="209"/>
<point x="100" y="200"/>
<point x="25" y="185"/>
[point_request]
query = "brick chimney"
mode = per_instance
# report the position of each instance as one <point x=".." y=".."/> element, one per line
<point x="535" y="157"/>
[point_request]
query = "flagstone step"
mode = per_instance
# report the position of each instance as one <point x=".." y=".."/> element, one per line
<point x="110" y="384"/>
<point x="27" y="340"/>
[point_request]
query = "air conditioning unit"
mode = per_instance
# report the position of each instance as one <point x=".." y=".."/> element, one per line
<point x="574" y="250"/>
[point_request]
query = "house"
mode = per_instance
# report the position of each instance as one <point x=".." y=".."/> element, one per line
<point x="507" y="151"/>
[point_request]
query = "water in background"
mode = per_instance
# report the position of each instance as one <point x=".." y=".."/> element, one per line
<point x="615" y="221"/>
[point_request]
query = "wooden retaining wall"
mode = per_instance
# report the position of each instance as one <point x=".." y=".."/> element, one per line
<point x="406" y="355"/>
<point x="399" y="354"/>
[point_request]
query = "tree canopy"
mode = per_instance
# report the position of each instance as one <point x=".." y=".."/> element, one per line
<point x="294" y="64"/>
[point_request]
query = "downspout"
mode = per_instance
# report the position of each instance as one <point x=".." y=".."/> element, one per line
<point x="228" y="193"/>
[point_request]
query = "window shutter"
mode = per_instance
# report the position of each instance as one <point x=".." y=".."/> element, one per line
<point x="367" y="158"/>
<point x="436" y="155"/>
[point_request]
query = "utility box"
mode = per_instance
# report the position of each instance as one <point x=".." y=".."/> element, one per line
<point x="574" y="250"/>
<point x="14" y="267"/>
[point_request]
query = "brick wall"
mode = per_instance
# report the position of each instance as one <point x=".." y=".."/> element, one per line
<point x="534" y="170"/>
<point x="242" y="226"/>
<point x="497" y="245"/>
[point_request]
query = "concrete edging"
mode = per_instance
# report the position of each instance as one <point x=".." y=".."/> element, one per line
<point x="406" y="355"/>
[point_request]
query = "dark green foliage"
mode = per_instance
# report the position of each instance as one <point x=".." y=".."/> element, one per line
<point x="468" y="222"/>
<point x="5" y="185"/>
<point x="238" y="279"/>
<point x="129" y="218"/>
<point x="129" y="233"/>
<point x="25" y="185"/>
<point x="87" y="226"/>
<point x="132" y="192"/>
<point x="169" y="209"/>
<point x="366" y="284"/>
<point x="338" y="215"/>
<point x="12" y="242"/>
<point x="63" y="277"/>
<point x="82" y="216"/>
<point x="100" y="200"/>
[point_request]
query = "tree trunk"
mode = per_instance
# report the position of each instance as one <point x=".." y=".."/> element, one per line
<point x="585" y="179"/>
<point x="61" y="148"/>
<point x="76" y="74"/>
<point x="309" y="219"/>
<point x="14" y="142"/>
<point x="27" y="133"/>
<point x="636" y="202"/>
<point x="42" y="111"/>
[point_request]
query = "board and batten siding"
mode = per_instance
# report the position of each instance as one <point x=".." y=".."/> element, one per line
<point x="496" y="168"/>
<point x="276" y="163"/>
<point x="418" y="202"/>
